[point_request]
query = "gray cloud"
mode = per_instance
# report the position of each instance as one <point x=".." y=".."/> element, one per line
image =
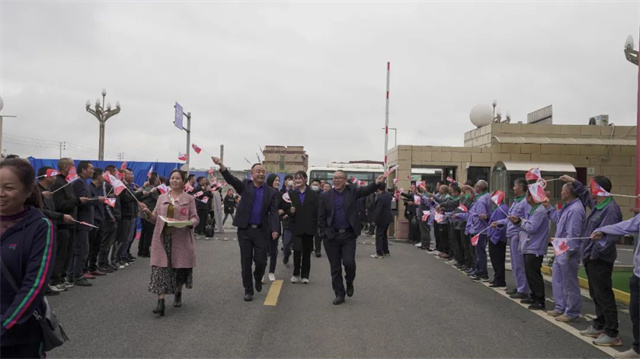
<point x="309" y="74"/>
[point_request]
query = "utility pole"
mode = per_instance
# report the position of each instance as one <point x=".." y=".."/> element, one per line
<point x="222" y="153"/>
<point x="63" y="146"/>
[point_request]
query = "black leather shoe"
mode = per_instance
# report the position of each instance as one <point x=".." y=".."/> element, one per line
<point x="519" y="295"/>
<point x="339" y="300"/>
<point x="512" y="291"/>
<point x="258" y="285"/>
<point x="318" y="254"/>
<point x="159" y="308"/>
<point x="537" y="306"/>
<point x="248" y="297"/>
<point x="527" y="301"/>
<point x="350" y="290"/>
<point x="177" y="300"/>
<point x="497" y="285"/>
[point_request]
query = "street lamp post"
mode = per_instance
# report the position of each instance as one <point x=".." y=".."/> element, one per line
<point x="102" y="114"/>
<point x="632" y="56"/>
<point x="1" y="118"/>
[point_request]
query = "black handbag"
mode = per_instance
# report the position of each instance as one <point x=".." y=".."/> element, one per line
<point x="53" y="334"/>
<point x="209" y="231"/>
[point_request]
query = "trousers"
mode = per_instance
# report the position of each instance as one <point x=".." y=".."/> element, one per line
<point x="59" y="269"/>
<point x="382" y="240"/>
<point x="254" y="244"/>
<point x="454" y="241"/>
<point x="273" y="256"/>
<point x="566" y="288"/>
<point x="124" y="229"/>
<point x="498" y="253"/>
<point x="109" y="232"/>
<point x="634" y="310"/>
<point x="146" y="234"/>
<point x="443" y="235"/>
<point x="601" y="291"/>
<point x="425" y="234"/>
<point x="203" y="216"/>
<point x="517" y="265"/>
<point x="481" y="256"/>
<point x="302" y="257"/>
<point x="79" y="256"/>
<point x="532" y="268"/>
<point x="95" y="239"/>
<point x="341" y="251"/>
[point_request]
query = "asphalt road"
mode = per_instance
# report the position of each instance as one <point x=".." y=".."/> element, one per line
<point x="408" y="305"/>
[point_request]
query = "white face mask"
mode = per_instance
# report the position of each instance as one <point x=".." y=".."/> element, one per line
<point x="315" y="188"/>
<point x="290" y="183"/>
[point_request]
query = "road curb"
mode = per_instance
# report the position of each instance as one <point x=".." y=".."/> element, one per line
<point x="622" y="297"/>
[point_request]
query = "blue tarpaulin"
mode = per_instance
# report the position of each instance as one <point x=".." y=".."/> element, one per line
<point x="139" y="169"/>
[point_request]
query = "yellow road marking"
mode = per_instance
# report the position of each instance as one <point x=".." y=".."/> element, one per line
<point x="274" y="293"/>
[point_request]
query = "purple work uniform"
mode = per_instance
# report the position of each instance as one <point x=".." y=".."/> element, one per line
<point x="518" y="208"/>
<point x="564" y="279"/>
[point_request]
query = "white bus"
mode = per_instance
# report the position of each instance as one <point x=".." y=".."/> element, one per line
<point x="366" y="172"/>
<point x="363" y="172"/>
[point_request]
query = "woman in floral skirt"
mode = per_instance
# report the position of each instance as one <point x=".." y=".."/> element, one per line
<point x="172" y="248"/>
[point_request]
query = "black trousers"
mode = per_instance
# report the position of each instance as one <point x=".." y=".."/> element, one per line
<point x="341" y="251"/>
<point x="23" y="351"/>
<point x="273" y="255"/>
<point x="454" y="241"/>
<point x="601" y="291"/>
<point x="59" y="268"/>
<point x="414" y="230"/>
<point x="634" y="311"/>
<point x="145" y="237"/>
<point x="532" y="269"/>
<point x="124" y="231"/>
<point x="443" y="234"/>
<point x="254" y="244"/>
<point x="95" y="239"/>
<point x="109" y="232"/>
<point x="203" y="216"/>
<point x="302" y="256"/>
<point x="425" y="234"/>
<point x="498" y="254"/>
<point x="472" y="252"/>
<point x="382" y="239"/>
<point x="317" y="243"/>
<point x="459" y="251"/>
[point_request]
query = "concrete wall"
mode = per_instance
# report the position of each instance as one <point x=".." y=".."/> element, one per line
<point x="481" y="149"/>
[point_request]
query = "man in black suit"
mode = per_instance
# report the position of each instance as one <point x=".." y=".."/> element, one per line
<point x="303" y="220"/>
<point x="202" y="205"/>
<point x="257" y="220"/>
<point x="382" y="219"/>
<point x="338" y="221"/>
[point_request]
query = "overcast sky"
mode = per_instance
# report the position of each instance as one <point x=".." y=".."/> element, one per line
<point x="301" y="73"/>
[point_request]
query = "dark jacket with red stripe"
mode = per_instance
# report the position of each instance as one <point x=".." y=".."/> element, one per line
<point x="28" y="251"/>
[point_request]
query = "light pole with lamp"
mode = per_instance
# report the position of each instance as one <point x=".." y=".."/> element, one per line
<point x="1" y="117"/>
<point x="632" y="56"/>
<point x="102" y="114"/>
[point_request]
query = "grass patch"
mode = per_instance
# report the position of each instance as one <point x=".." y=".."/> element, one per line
<point x="620" y="280"/>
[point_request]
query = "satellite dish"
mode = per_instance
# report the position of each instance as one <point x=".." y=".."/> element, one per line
<point x="481" y="115"/>
<point x="629" y="44"/>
